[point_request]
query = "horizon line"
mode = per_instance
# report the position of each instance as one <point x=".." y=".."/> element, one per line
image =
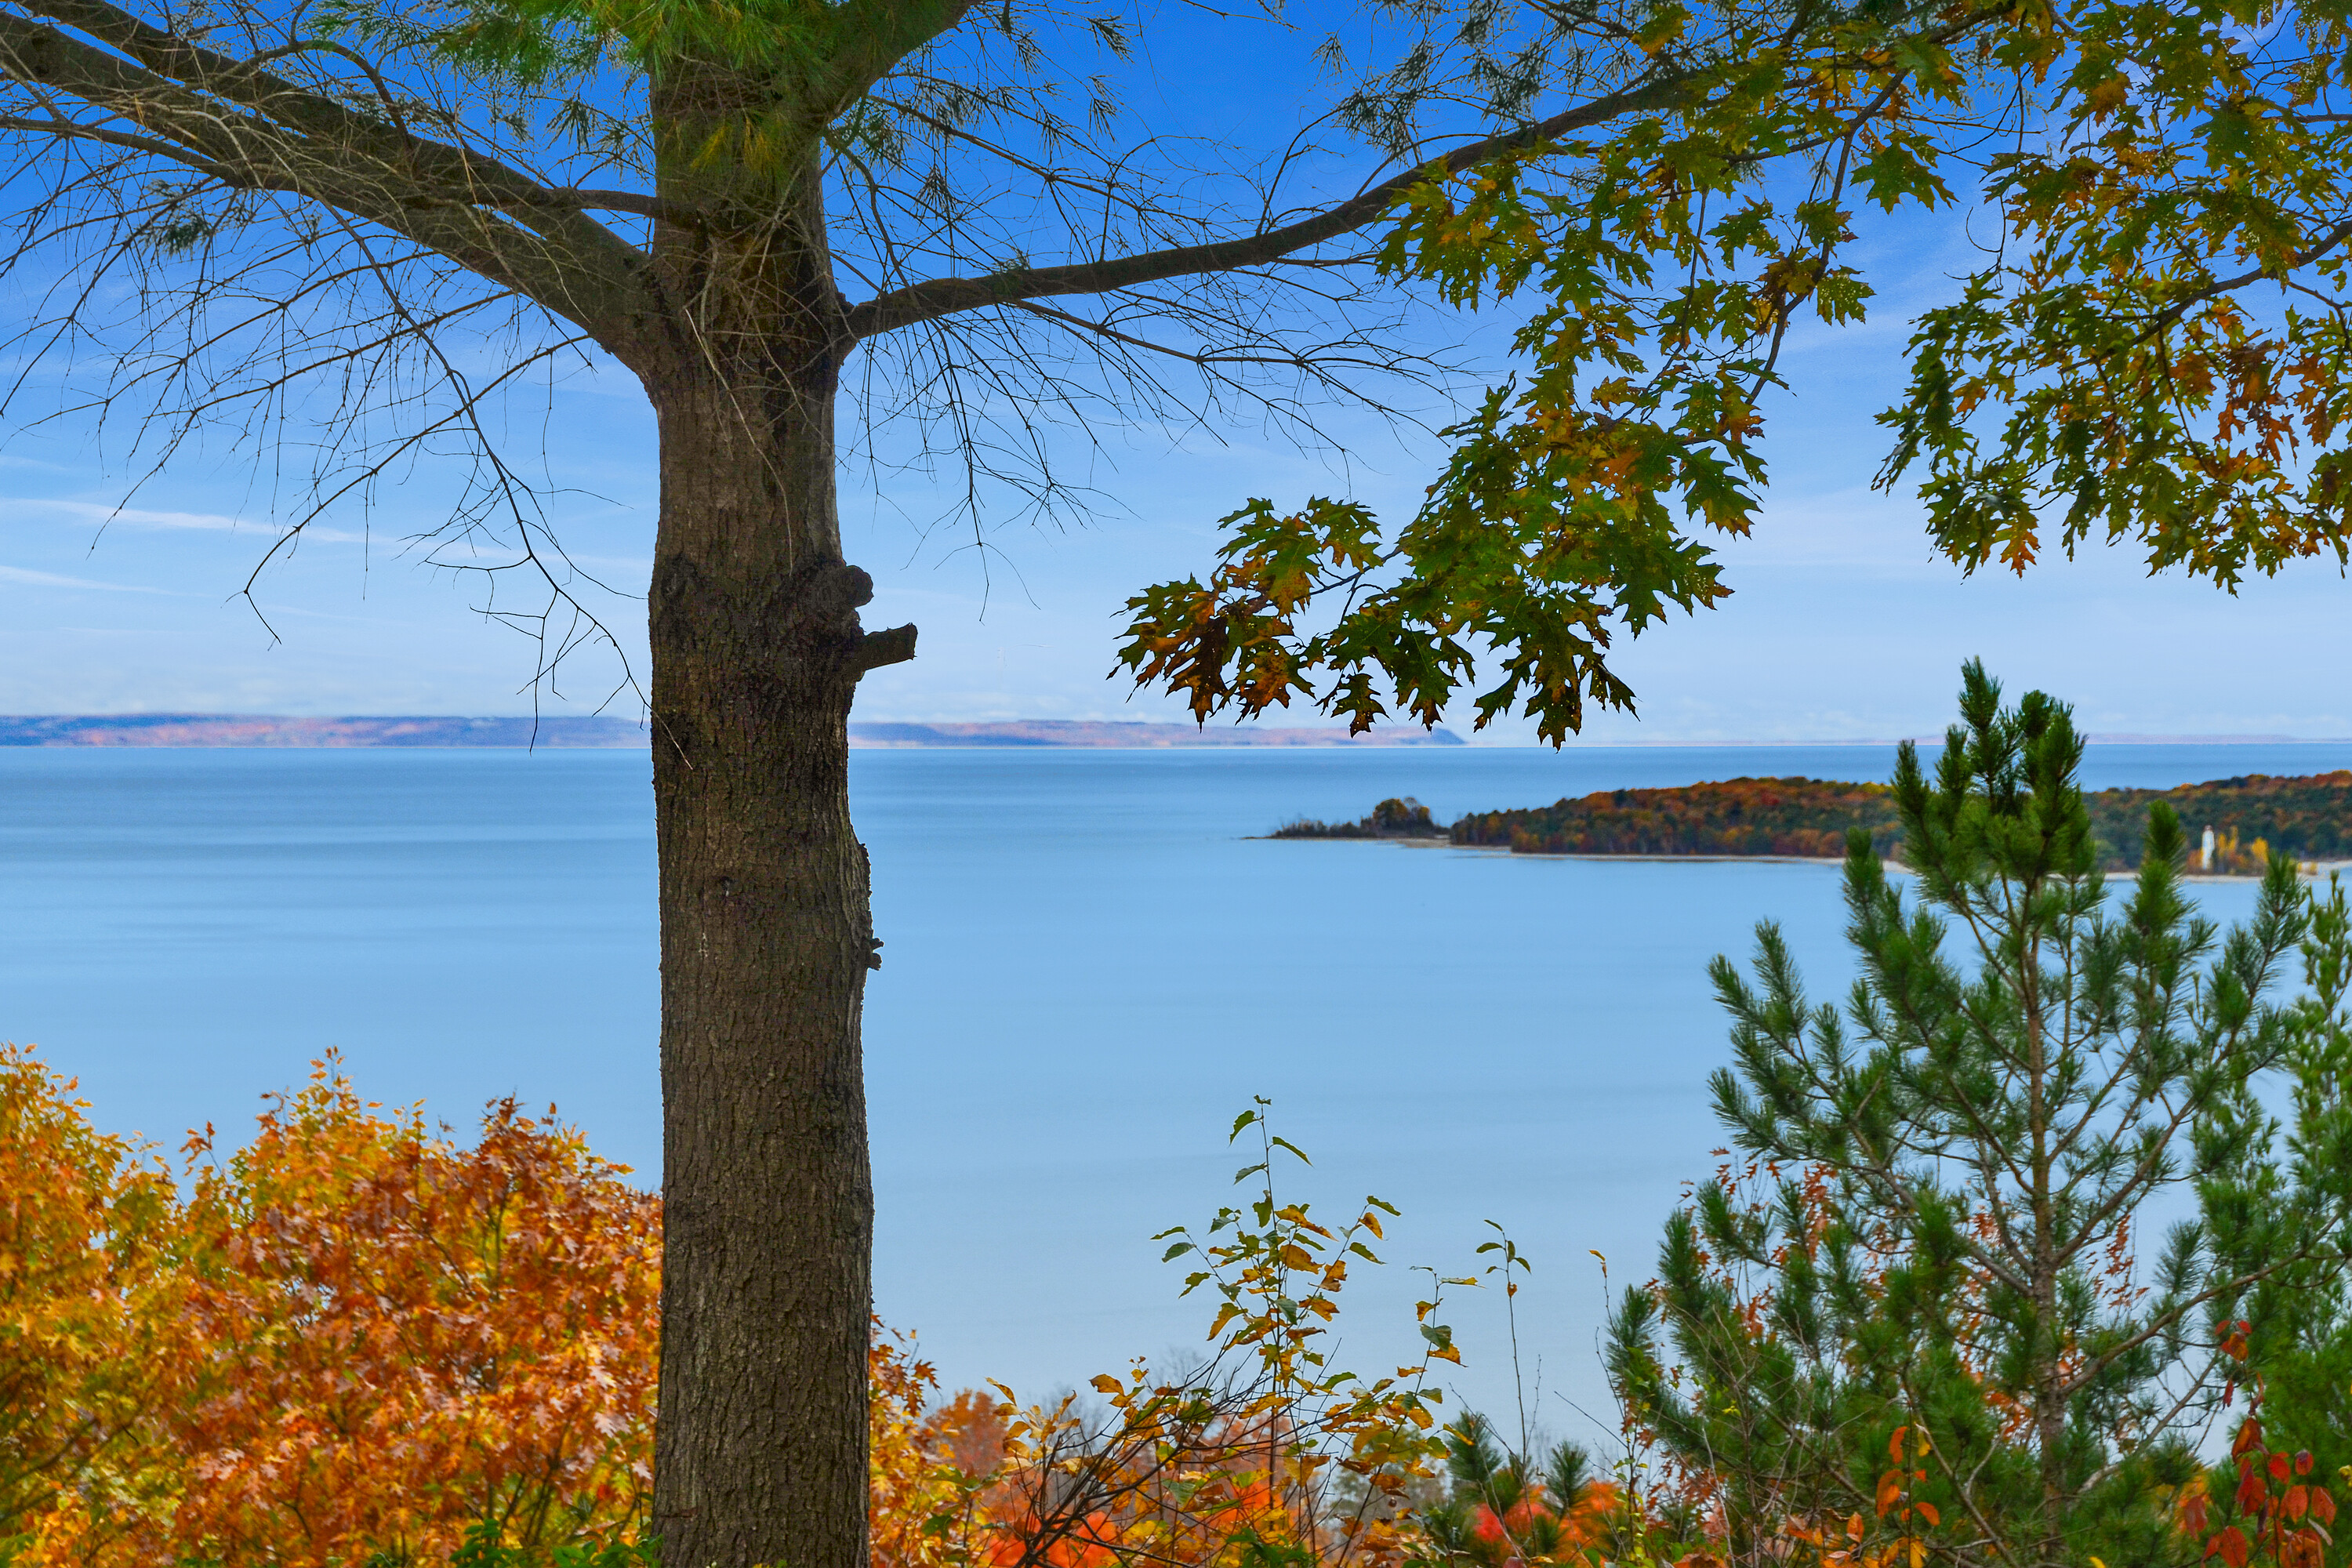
<point x="609" y="721"/>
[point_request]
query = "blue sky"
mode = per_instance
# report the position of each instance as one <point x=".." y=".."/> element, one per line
<point x="1842" y="626"/>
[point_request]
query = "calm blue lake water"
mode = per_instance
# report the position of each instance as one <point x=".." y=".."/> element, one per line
<point x="1090" y="970"/>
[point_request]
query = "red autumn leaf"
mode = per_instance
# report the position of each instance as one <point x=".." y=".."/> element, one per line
<point x="2234" y="1549"/>
<point x="2322" y="1506"/>
<point x="2303" y="1461"/>
<point x="2298" y="1501"/>
<point x="2253" y="1496"/>
<point x="2279" y="1468"/>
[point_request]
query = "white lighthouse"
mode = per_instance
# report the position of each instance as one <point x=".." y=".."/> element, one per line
<point x="2205" y="856"/>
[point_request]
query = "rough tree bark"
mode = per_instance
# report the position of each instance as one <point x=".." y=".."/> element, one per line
<point x="766" y="927"/>
<point x="766" y="936"/>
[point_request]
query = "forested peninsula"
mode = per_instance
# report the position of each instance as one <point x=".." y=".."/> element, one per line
<point x="2253" y="815"/>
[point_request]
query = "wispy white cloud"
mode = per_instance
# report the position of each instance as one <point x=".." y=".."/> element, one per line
<point x="273" y="610"/>
<point x="144" y="517"/>
<point x="53" y="580"/>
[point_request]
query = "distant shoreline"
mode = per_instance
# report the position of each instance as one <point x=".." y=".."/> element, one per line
<point x="2249" y="822"/>
<point x="240" y="731"/>
<point x="2093" y="739"/>
<point x="2310" y="870"/>
<point x="608" y="733"/>
<point x="244" y="730"/>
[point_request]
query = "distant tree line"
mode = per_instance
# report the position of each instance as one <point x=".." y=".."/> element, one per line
<point x="2309" y="819"/>
<point x="1737" y="816"/>
<point x="2251" y="816"/>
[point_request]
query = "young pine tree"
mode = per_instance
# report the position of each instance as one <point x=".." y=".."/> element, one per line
<point x="1502" y="1507"/>
<point x="1918" y="1321"/>
<point x="2297" y="1316"/>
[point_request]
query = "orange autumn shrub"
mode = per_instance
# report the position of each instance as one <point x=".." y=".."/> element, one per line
<point x="357" y="1343"/>
<point x="914" y="1480"/>
<point x="403" y="1339"/>
<point x="354" y="1340"/>
<point x="86" y="1222"/>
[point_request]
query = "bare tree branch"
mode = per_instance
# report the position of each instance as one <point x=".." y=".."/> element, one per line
<point x="253" y="130"/>
<point x="946" y="296"/>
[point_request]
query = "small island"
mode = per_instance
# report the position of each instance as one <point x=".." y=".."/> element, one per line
<point x="2234" y="824"/>
<point x="1393" y="818"/>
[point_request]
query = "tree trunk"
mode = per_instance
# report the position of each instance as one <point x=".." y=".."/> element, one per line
<point x="766" y="932"/>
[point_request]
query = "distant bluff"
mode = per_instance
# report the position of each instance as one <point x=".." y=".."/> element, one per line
<point x="274" y="729"/>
